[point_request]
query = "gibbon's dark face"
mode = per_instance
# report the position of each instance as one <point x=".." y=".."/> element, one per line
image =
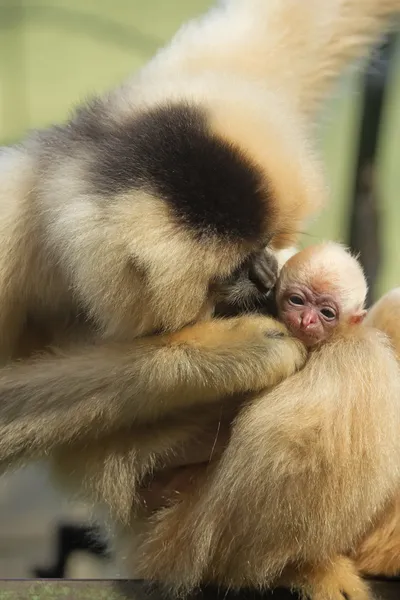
<point x="250" y="288"/>
<point x="212" y="190"/>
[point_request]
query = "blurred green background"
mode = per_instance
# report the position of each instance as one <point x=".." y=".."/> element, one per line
<point x="53" y="53"/>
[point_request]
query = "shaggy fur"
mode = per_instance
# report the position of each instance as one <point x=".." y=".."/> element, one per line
<point x="102" y="245"/>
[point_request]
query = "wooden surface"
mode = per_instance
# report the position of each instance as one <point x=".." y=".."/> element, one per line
<point x="136" y="590"/>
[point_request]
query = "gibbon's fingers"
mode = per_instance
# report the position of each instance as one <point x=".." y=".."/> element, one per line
<point x="263" y="271"/>
<point x="94" y="390"/>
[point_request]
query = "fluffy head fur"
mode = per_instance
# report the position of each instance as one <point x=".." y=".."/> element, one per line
<point x="227" y="102"/>
<point x="327" y="268"/>
<point x="319" y="289"/>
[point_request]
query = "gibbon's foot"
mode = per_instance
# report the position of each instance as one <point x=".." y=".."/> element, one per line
<point x="337" y="581"/>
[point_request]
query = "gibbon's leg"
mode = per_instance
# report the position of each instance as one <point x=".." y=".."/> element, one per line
<point x="307" y="467"/>
<point x="52" y="401"/>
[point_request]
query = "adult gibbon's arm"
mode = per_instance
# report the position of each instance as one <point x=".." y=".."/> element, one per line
<point x="308" y="466"/>
<point x="95" y="390"/>
<point x="295" y="47"/>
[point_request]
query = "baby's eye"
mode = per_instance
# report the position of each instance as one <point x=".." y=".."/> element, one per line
<point x="328" y="313"/>
<point x="296" y="300"/>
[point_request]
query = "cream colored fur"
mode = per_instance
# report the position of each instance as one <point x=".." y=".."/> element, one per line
<point x="48" y="408"/>
<point x="295" y="49"/>
<point x="259" y="69"/>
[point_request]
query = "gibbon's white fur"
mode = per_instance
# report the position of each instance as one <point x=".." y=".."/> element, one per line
<point x="126" y="221"/>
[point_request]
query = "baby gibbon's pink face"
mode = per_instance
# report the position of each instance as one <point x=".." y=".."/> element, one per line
<point x="309" y="315"/>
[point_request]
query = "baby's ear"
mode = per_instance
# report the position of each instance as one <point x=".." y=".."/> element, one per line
<point x="358" y="317"/>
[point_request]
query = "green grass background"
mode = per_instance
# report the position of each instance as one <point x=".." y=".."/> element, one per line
<point x="54" y="53"/>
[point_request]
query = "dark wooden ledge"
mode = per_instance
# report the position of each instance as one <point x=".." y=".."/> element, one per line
<point x="64" y="589"/>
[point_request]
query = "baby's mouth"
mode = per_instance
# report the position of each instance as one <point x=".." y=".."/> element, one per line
<point x="307" y="337"/>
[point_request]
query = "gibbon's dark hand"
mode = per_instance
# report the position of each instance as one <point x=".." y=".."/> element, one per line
<point x="263" y="271"/>
<point x="250" y="288"/>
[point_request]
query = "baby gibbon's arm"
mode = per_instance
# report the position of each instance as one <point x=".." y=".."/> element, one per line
<point x="95" y="390"/>
<point x="308" y="466"/>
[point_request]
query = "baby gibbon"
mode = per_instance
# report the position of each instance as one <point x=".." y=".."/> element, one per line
<point x="320" y="289"/>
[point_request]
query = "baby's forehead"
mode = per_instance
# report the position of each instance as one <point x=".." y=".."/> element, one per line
<point x="328" y="271"/>
<point x="321" y="282"/>
<point x="316" y="270"/>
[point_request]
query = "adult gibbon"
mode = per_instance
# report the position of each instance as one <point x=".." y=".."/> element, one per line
<point x="121" y="231"/>
<point x="141" y="213"/>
